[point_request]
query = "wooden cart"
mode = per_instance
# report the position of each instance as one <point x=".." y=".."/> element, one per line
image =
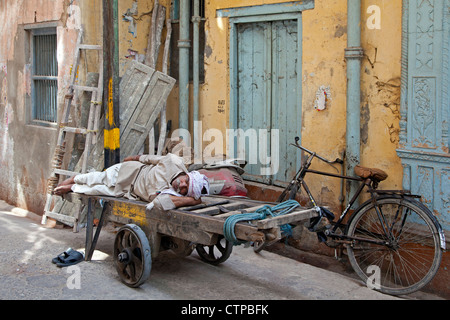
<point x="145" y="233"/>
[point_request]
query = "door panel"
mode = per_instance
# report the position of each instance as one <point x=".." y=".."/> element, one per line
<point x="424" y="137"/>
<point x="268" y="98"/>
<point x="254" y="86"/>
<point x="284" y="96"/>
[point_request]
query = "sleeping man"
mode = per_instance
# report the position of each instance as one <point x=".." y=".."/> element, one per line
<point x="163" y="181"/>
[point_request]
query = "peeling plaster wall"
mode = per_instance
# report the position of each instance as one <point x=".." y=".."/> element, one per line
<point x="323" y="65"/>
<point x="380" y="88"/>
<point x="26" y="150"/>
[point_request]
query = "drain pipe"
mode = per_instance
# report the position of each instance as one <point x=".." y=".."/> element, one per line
<point x="196" y="79"/>
<point x="353" y="55"/>
<point x="183" y="79"/>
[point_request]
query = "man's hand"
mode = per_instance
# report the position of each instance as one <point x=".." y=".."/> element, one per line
<point x="132" y="158"/>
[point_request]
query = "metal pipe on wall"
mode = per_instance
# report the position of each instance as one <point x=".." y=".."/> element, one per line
<point x="183" y="81"/>
<point x="196" y="78"/>
<point x="353" y="55"/>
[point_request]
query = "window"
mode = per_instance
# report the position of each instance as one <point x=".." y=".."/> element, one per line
<point x="44" y="76"/>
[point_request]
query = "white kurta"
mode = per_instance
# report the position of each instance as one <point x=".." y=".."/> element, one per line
<point x="143" y="179"/>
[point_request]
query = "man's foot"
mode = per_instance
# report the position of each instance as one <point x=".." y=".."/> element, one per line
<point x="63" y="189"/>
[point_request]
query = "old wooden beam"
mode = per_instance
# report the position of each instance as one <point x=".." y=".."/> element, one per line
<point x="111" y="136"/>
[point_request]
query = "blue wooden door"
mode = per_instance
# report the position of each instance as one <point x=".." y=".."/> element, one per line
<point x="268" y="98"/>
<point x="424" y="132"/>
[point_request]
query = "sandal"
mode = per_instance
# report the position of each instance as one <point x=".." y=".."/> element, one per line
<point x="62" y="256"/>
<point x="72" y="258"/>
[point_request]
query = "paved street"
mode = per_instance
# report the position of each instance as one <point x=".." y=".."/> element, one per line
<point x="26" y="271"/>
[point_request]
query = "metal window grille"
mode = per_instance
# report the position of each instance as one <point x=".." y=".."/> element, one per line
<point x="44" y="76"/>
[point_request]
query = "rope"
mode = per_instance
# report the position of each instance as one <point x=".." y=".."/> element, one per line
<point x="259" y="214"/>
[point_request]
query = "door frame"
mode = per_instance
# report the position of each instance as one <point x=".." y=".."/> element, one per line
<point x="262" y="13"/>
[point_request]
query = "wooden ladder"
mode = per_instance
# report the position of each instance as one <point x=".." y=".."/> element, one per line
<point x="91" y="131"/>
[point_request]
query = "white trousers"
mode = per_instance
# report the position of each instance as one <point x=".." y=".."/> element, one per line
<point x="97" y="183"/>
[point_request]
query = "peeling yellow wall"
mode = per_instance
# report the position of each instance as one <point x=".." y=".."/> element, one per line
<point x="380" y="87"/>
<point x="324" y="42"/>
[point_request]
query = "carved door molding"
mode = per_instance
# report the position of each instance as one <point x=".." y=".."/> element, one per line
<point x="424" y="124"/>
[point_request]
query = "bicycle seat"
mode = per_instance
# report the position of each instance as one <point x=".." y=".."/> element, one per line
<point x="373" y="173"/>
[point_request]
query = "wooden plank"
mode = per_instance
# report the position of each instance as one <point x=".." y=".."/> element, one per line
<point x="65" y="172"/>
<point x="246" y="210"/>
<point x="163" y="120"/>
<point x="266" y="9"/>
<point x="84" y="88"/>
<point x="295" y="216"/>
<point x="129" y="210"/>
<point x="201" y="222"/>
<point x="149" y="107"/>
<point x="74" y="130"/>
<point x="90" y="47"/>
<point x="132" y="87"/>
<point x="189" y="233"/>
<point x="68" y="220"/>
<point x="214" y="210"/>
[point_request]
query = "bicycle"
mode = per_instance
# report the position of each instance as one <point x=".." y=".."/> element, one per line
<point x="394" y="243"/>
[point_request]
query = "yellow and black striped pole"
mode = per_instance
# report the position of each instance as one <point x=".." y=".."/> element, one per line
<point x="111" y="82"/>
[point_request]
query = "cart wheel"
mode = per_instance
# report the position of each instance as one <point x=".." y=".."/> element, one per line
<point x="132" y="255"/>
<point x="217" y="253"/>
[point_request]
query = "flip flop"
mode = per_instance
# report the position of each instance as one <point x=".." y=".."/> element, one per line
<point x="62" y="256"/>
<point x="73" y="258"/>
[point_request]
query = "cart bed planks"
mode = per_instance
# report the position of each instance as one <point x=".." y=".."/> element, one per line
<point x="201" y="225"/>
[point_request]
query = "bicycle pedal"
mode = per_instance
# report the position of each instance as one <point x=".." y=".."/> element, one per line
<point x="327" y="213"/>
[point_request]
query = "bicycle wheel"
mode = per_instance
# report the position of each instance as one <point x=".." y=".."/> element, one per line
<point x="396" y="249"/>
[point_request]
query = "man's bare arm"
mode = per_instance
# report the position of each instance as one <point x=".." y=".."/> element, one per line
<point x="145" y="158"/>
<point x="132" y="158"/>
<point x="184" y="201"/>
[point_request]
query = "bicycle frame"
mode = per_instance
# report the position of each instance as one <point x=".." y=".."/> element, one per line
<point x="304" y="169"/>
<point x="301" y="182"/>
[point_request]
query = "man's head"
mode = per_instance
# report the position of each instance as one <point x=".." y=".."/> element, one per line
<point x="181" y="184"/>
<point x="193" y="184"/>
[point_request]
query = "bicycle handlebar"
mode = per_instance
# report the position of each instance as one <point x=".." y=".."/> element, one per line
<point x="337" y="160"/>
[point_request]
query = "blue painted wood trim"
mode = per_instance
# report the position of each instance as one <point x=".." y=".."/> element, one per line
<point x="276" y="8"/>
